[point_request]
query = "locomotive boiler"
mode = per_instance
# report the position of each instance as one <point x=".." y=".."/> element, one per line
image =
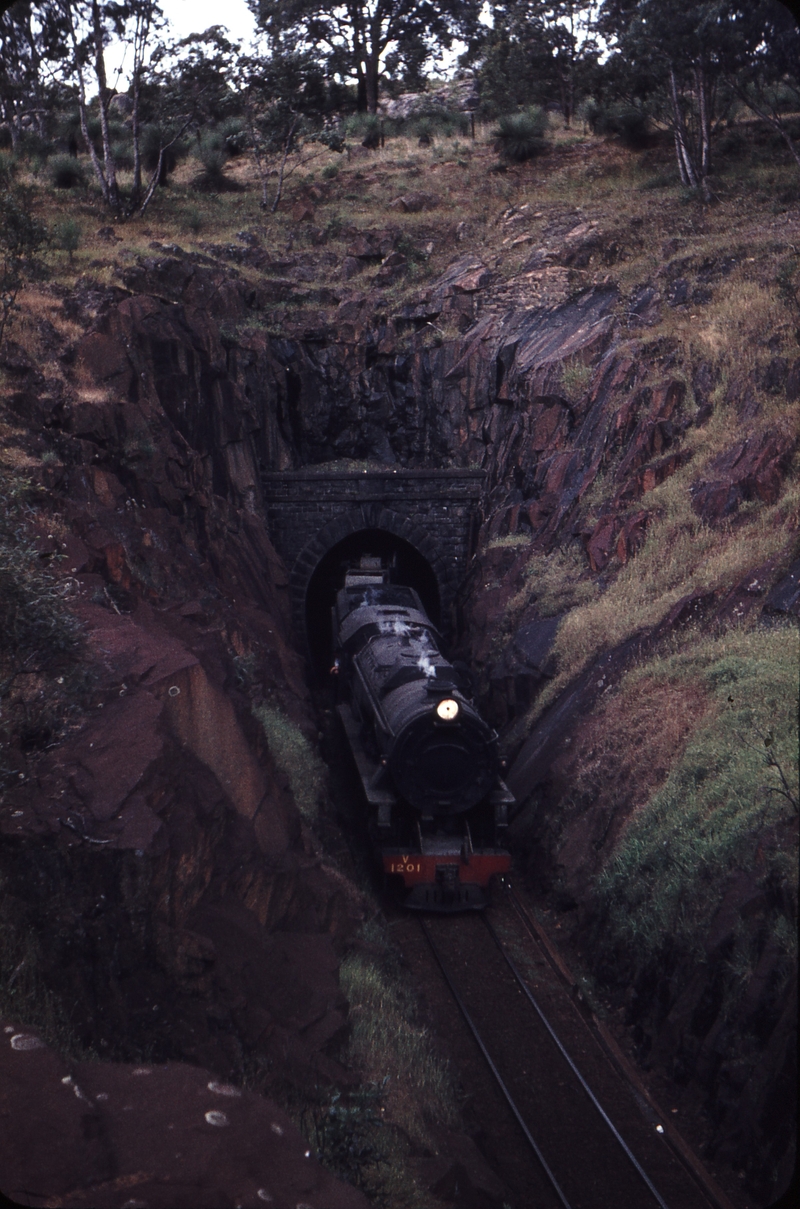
<point x="427" y="760"/>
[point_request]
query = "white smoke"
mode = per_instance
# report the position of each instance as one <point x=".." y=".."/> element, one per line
<point x="424" y="664"/>
<point x="394" y="625"/>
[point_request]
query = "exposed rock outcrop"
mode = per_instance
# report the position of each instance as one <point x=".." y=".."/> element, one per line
<point x="96" y="1135"/>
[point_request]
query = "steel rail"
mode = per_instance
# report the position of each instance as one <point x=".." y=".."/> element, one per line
<point x="683" y="1153"/>
<point x="534" y="1004"/>
<point x="498" y="1077"/>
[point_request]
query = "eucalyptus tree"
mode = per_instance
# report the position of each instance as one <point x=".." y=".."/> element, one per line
<point x="676" y="52"/>
<point x="762" y="63"/>
<point x="284" y="99"/>
<point x="537" y="51"/>
<point x="364" y="39"/>
<point x="31" y="46"/>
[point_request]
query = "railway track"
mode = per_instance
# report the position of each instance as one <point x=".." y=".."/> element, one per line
<point x="595" y="1143"/>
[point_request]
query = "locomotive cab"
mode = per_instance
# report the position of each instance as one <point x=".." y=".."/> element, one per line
<point x="427" y="760"/>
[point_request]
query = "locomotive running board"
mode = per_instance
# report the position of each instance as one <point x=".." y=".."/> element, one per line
<point x="368" y="770"/>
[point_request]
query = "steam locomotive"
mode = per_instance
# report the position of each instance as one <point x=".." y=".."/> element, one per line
<point x="427" y="760"/>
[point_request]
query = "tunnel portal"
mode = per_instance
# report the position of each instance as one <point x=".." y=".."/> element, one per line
<point x="320" y="518"/>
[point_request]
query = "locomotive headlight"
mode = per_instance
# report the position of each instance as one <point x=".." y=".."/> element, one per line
<point x="447" y="709"/>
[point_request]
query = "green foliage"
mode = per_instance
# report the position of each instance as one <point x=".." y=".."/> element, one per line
<point x="214" y="154"/>
<point x="721" y="809"/>
<point x="67" y="236"/>
<point x="122" y="152"/>
<point x="66" y="172"/>
<point x="233" y="131"/>
<point x="39" y="634"/>
<point x="575" y="377"/>
<point x="295" y="758"/>
<point x="193" y="220"/>
<point x="345" y="1132"/>
<point x="555" y="583"/>
<point x="21" y="236"/>
<point x="154" y="137"/>
<point x="520" y="136"/>
<point x="628" y="122"/>
<point x="8" y="168"/>
<point x="41" y="680"/>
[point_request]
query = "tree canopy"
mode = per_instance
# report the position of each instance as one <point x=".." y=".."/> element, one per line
<point x="366" y="40"/>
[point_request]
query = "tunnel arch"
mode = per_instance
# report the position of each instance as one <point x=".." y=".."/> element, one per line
<point x="360" y="530"/>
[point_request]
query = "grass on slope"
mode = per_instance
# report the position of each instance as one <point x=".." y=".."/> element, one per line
<point x="729" y="804"/>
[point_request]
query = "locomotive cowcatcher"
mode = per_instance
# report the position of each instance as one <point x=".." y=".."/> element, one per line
<point x="427" y="760"/>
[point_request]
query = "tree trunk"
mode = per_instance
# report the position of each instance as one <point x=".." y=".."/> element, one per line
<point x="361" y="91"/>
<point x="136" y="83"/>
<point x="685" y="165"/>
<point x="66" y="10"/>
<point x="136" y="136"/>
<point x="286" y="149"/>
<point x="371" y="79"/>
<point x="104" y="98"/>
<point x="705" y="129"/>
<point x="681" y="165"/>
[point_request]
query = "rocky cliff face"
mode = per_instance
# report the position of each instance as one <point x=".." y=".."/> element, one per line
<point x="162" y="895"/>
<point x="161" y="831"/>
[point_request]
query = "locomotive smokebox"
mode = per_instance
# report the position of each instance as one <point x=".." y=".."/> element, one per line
<point x="443" y="766"/>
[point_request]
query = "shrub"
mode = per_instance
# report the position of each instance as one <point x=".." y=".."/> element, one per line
<point x="372" y="133"/>
<point x="234" y="133"/>
<point x="32" y="145"/>
<point x="20" y="237"/>
<point x="628" y="122"/>
<point x="214" y="156"/>
<point x="41" y="638"/>
<point x="67" y="236"/>
<point x="8" y="168"/>
<point x="123" y="154"/>
<point x="193" y="220"/>
<point x="66" y="172"/>
<point x="153" y="138"/>
<point x="330" y="172"/>
<point x="520" y="136"/>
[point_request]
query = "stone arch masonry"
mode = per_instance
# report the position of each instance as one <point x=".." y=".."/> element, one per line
<point x="309" y="511"/>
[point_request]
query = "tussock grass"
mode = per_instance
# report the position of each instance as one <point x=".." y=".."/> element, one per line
<point x="295" y="758"/>
<point x="555" y="583"/>
<point x="25" y="998"/>
<point x="387" y="1040"/>
<point x="724" y="807"/>
<point x="367" y="1136"/>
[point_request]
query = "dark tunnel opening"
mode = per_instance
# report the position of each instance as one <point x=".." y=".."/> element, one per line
<point x="410" y="568"/>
